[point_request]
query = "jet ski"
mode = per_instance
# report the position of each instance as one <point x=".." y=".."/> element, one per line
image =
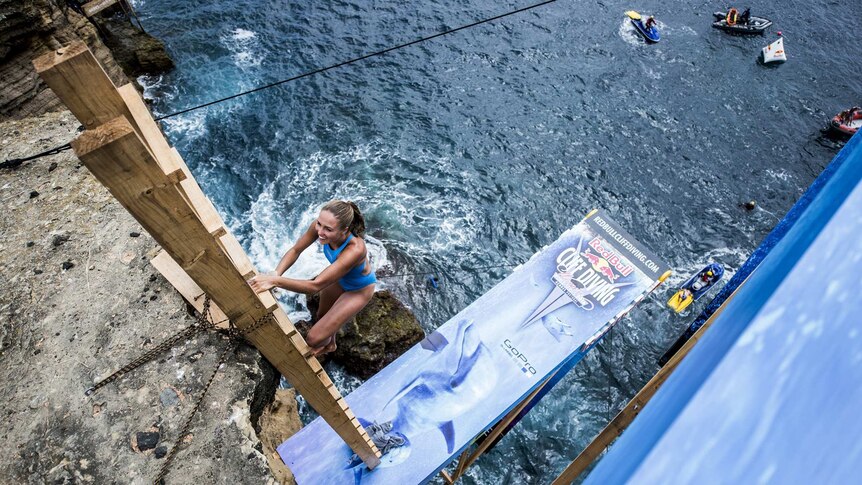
<point x="842" y="126"/>
<point x="696" y="287"/>
<point x="650" y="34"/>
<point x="754" y="26"/>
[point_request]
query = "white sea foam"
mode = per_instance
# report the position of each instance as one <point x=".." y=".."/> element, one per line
<point x="150" y="84"/>
<point x="628" y="33"/>
<point x="244" y="46"/>
<point x="446" y="223"/>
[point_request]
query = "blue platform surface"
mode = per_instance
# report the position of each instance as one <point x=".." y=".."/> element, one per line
<point x="771" y="393"/>
<point x="476" y="367"/>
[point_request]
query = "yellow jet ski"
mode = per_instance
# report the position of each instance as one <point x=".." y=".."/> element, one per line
<point x="696" y="287"/>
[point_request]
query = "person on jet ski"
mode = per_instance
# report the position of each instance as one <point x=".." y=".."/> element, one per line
<point x="746" y="16"/>
<point x="650" y="23"/>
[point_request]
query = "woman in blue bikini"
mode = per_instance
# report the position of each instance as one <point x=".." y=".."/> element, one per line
<point x="345" y="286"/>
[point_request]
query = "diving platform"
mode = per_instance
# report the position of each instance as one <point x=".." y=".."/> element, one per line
<point x="95" y="6"/>
<point x="490" y="362"/>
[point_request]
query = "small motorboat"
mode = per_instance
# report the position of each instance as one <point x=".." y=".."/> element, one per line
<point x="650" y="34"/>
<point x="774" y="52"/>
<point x="696" y="287"/>
<point x="754" y="26"/>
<point x="847" y="122"/>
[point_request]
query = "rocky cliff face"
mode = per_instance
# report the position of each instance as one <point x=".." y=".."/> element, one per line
<point x="375" y="337"/>
<point x="78" y="299"/>
<point x="29" y="28"/>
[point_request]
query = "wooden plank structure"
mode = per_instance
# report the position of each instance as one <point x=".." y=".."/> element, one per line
<point x="468" y="457"/>
<point x="126" y="151"/>
<point x="625" y="417"/>
<point x="95" y="6"/>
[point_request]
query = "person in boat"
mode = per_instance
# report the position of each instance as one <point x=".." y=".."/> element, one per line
<point x="846" y="116"/>
<point x="345" y="286"/>
<point x="650" y="23"/>
<point x="706" y="277"/>
<point x="746" y="16"/>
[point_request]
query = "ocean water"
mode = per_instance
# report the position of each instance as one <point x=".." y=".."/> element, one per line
<point x="479" y="148"/>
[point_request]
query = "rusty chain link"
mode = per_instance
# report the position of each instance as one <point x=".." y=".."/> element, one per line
<point x="203" y="323"/>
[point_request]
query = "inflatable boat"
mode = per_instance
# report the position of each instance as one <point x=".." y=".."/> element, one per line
<point x="841" y="125"/>
<point x="754" y="26"/>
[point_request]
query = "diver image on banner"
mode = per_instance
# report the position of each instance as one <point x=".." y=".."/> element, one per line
<point x="432" y="401"/>
<point x="583" y="278"/>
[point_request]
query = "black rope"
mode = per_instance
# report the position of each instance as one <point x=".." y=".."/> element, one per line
<point x="18" y="161"/>
<point x="357" y="59"/>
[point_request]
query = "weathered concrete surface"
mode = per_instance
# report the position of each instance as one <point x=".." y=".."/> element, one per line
<point x="61" y="329"/>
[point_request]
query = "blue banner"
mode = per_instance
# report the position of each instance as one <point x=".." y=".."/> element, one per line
<point x="476" y="367"/>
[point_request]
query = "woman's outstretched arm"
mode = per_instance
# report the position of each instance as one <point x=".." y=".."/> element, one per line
<point x="290" y="257"/>
<point x="350" y="257"/>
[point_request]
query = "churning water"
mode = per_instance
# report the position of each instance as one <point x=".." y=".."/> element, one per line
<point x="479" y="148"/>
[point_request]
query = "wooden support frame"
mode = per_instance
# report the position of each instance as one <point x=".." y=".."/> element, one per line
<point x="187" y="287"/>
<point x="468" y="457"/>
<point x="624" y="418"/>
<point x="127" y="152"/>
<point x="95" y="6"/>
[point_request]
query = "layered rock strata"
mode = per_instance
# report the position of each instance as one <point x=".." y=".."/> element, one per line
<point x="31" y="28"/>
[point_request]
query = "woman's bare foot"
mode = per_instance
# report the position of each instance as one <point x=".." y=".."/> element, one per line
<point x="330" y="347"/>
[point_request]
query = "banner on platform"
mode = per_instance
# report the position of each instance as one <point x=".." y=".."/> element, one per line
<point x="476" y="367"/>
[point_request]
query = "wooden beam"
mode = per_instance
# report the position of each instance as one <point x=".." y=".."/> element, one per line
<point x="624" y="418"/>
<point x="202" y="206"/>
<point x="151" y="133"/>
<point x="120" y="159"/>
<point x="465" y="461"/>
<point x="95" y="6"/>
<point x="74" y="74"/>
<point x="127" y="152"/>
<point x="190" y="290"/>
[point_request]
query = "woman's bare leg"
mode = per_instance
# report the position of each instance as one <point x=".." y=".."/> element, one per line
<point x="328" y="296"/>
<point x="321" y="337"/>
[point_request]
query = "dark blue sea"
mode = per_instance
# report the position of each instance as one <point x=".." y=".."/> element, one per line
<point x="479" y="148"/>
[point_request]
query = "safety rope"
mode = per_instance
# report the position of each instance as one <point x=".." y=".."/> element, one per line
<point x="357" y="59"/>
<point x="476" y="268"/>
<point x="12" y="163"/>
<point x="6" y="164"/>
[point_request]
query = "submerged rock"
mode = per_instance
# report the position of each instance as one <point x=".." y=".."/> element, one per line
<point x="134" y="50"/>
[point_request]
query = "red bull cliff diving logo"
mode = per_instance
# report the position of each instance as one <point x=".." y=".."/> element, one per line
<point x="585" y="278"/>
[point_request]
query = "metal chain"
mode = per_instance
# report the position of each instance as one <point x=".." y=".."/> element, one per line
<point x="234" y="336"/>
<point x="202" y="324"/>
<point x="169" y="458"/>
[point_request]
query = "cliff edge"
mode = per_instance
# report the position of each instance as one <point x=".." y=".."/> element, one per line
<point x="31" y="28"/>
